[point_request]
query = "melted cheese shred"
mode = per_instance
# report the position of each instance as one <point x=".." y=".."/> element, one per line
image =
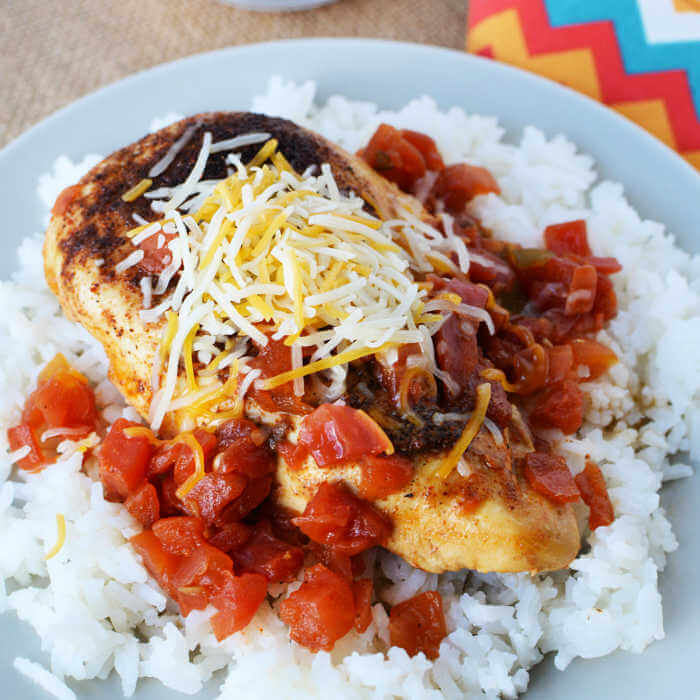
<point x="483" y="398"/>
<point x="269" y="246"/>
<point x="61" y="537"/>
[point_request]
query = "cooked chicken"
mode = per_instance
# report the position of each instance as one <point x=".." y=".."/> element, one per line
<point x="86" y="238"/>
<point x="435" y="525"/>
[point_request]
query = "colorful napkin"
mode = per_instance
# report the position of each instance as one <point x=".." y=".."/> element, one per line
<point x="640" y="57"/>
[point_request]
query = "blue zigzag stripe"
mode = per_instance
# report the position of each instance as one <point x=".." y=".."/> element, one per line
<point x="638" y="55"/>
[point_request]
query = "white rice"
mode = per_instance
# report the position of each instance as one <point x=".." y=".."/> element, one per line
<point x="93" y="604"/>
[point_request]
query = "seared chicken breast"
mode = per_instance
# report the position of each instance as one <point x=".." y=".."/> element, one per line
<point x="436" y="525"/>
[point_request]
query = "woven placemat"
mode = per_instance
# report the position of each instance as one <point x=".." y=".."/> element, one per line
<point x="56" y="51"/>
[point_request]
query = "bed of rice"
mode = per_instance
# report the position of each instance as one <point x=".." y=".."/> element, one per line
<point x="95" y="608"/>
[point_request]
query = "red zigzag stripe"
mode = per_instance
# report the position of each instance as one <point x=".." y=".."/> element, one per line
<point x="616" y="85"/>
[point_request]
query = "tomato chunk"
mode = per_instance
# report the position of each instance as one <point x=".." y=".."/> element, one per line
<point x="205" y="561"/>
<point x="568" y="238"/>
<point x="395" y="157"/>
<point x="362" y="595"/>
<point x="381" y="476"/>
<point x="338" y="518"/>
<point x="594" y="492"/>
<point x="180" y="535"/>
<point x="559" y="406"/>
<point x="143" y="504"/>
<point x="245" y="449"/>
<point x="582" y="290"/>
<point x="265" y="554"/>
<point x="23" y="436"/>
<point x="549" y="475"/>
<point x="458" y="184"/>
<point x="213" y="493"/>
<point x="237" y="601"/>
<point x="321" y="611"/>
<point x="123" y="460"/>
<point x="596" y="356"/>
<point x="427" y="147"/>
<point x="334" y="434"/>
<point x="62" y="401"/>
<point x="561" y="361"/>
<point x="160" y="563"/>
<point x="231" y="536"/>
<point x="418" y="624"/>
<point x="156" y="258"/>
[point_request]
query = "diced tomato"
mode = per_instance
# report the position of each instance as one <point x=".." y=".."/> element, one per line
<point x="160" y="563"/>
<point x="594" y="492"/>
<point x="395" y="157"/>
<point x="427" y="147"/>
<point x="245" y="449"/>
<point x="604" y="266"/>
<point x="23" y="436"/>
<point x="65" y="199"/>
<point x="457" y="185"/>
<point x="211" y="494"/>
<point x="275" y="358"/>
<point x="231" y="536"/>
<point x="265" y="554"/>
<point x="530" y="368"/>
<point x="253" y="495"/>
<point x="170" y="504"/>
<point x="489" y="269"/>
<point x="582" y="290"/>
<point x="559" y="406"/>
<point x="549" y="475"/>
<point x="156" y="259"/>
<point x="362" y="595"/>
<point x="321" y="611"/>
<point x="605" y="299"/>
<point x="63" y="399"/>
<point x="123" y="460"/>
<point x="179" y="457"/>
<point x="561" y="362"/>
<point x="569" y="238"/>
<point x="180" y="535"/>
<point x="596" y="356"/>
<point x="237" y="601"/>
<point x="334" y="434"/>
<point x="338" y="518"/>
<point x="202" y="561"/>
<point x="456" y="350"/>
<point x="294" y="455"/>
<point x="336" y="561"/>
<point x="143" y="504"/>
<point x="418" y="624"/>
<point x="381" y="476"/>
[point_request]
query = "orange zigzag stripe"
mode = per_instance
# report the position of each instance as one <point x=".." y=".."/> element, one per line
<point x="502" y="36"/>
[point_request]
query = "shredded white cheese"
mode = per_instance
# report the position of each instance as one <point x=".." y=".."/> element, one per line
<point x="269" y="246"/>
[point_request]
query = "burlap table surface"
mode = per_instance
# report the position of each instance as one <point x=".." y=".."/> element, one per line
<point x="54" y="51"/>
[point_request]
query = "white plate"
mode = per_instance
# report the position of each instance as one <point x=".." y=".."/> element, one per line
<point x="659" y="184"/>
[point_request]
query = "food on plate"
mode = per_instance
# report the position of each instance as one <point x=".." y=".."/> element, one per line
<point x="366" y="401"/>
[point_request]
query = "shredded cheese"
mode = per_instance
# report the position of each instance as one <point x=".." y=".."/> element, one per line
<point x="137" y="190"/>
<point x="198" y="474"/>
<point x="267" y="245"/>
<point x="483" y="397"/>
<point x="313" y="367"/>
<point x="61" y="536"/>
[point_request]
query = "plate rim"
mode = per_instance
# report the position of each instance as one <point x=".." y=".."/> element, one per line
<point x="606" y="112"/>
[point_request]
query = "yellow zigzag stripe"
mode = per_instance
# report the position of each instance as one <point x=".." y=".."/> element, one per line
<point x="503" y="33"/>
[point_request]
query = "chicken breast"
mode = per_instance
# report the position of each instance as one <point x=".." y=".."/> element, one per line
<point x="86" y="238"/>
<point x="439" y="525"/>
